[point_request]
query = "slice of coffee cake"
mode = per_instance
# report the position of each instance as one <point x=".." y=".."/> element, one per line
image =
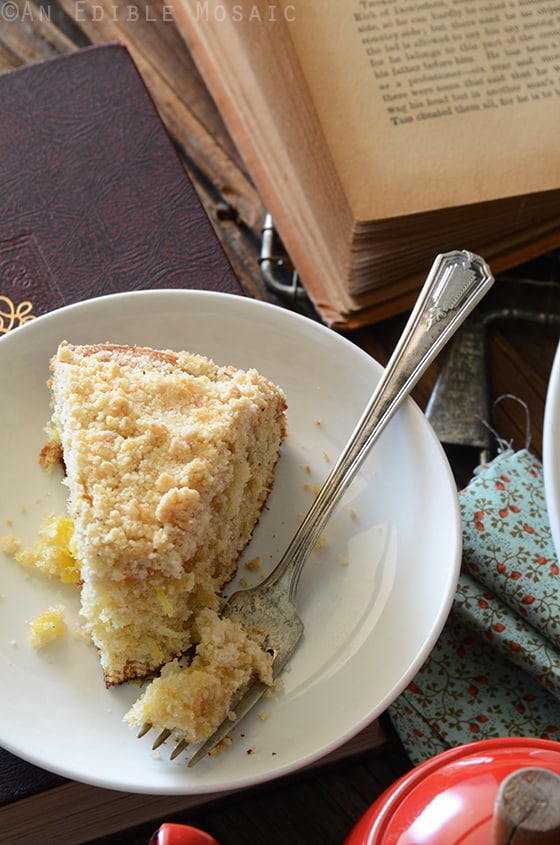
<point x="169" y="460"/>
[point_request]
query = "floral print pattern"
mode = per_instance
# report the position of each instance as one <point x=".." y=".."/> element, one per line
<point x="495" y="670"/>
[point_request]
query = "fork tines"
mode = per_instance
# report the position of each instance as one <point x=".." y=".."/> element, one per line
<point x="245" y="700"/>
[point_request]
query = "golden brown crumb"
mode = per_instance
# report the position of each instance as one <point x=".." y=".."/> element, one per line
<point x="221" y="746"/>
<point x="276" y="686"/>
<point x="254" y="564"/>
<point x="50" y="455"/>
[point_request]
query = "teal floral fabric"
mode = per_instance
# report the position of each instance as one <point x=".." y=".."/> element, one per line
<point x="495" y="670"/>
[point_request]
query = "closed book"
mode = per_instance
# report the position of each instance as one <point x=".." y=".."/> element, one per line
<point x="95" y="198"/>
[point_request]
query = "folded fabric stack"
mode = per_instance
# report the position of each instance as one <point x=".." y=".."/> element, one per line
<point x="495" y="669"/>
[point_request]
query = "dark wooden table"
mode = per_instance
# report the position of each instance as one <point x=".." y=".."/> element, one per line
<point x="521" y="335"/>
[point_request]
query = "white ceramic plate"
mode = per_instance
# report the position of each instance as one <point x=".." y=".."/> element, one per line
<point x="369" y="624"/>
<point x="551" y="450"/>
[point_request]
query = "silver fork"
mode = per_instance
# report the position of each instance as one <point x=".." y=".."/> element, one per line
<point x="456" y="283"/>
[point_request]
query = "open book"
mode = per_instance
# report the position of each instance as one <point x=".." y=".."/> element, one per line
<point x="382" y="132"/>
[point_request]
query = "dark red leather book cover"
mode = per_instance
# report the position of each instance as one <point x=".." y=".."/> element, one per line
<point x="94" y="200"/>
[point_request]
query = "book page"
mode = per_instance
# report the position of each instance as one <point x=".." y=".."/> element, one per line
<point x="434" y="103"/>
<point x="252" y="71"/>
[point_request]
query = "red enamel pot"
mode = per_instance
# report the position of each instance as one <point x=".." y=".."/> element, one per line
<point x="451" y="798"/>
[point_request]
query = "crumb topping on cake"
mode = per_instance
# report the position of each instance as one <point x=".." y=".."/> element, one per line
<point x="169" y="459"/>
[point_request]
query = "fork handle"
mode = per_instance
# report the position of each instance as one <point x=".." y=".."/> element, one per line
<point x="455" y="284"/>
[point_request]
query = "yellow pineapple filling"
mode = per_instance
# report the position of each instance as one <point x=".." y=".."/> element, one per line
<point x="47" y="627"/>
<point x="164" y="601"/>
<point x="53" y="553"/>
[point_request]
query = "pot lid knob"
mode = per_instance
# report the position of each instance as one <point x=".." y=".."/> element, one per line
<point x="527" y="809"/>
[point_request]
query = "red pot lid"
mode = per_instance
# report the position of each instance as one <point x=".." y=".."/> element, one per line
<point x="450" y="798"/>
